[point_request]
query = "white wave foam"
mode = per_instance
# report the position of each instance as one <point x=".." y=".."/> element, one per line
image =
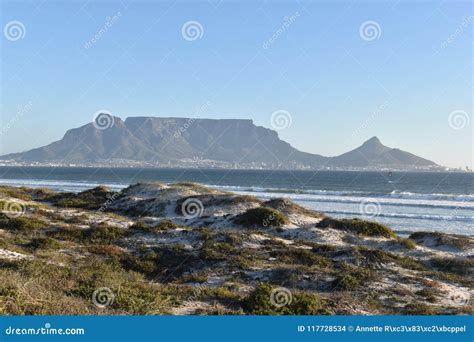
<point x="447" y="218"/>
<point x="431" y="204"/>
<point x="74" y="186"/>
<point x="395" y="194"/>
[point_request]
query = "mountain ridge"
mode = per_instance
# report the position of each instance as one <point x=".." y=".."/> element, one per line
<point x="168" y="141"/>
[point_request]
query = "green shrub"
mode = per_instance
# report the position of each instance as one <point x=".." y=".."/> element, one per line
<point x="266" y="300"/>
<point x="206" y="233"/>
<point x="20" y="193"/>
<point x="212" y="250"/>
<point x="139" y="299"/>
<point x="350" y="278"/>
<point x="166" y="225"/>
<point x="301" y="256"/>
<point x="166" y="262"/>
<point x="77" y="219"/>
<point x="461" y="266"/>
<point x="92" y="199"/>
<point x="261" y="217"/>
<point x="140" y="226"/>
<point x="44" y="243"/>
<point x="104" y="233"/>
<point x="428" y="294"/>
<point x="373" y="256"/>
<point x="145" y="264"/>
<point x="67" y="233"/>
<point x="163" y="226"/>
<point x="417" y="308"/>
<point x="407" y="243"/>
<point x="22" y="223"/>
<point x="323" y="249"/>
<point x="359" y="227"/>
<point x="286" y="206"/>
<point x="460" y="242"/>
<point x="107" y="250"/>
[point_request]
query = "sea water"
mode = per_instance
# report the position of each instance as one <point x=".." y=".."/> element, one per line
<point x="405" y="201"/>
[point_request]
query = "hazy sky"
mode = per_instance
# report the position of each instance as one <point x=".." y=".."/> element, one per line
<point x="343" y="70"/>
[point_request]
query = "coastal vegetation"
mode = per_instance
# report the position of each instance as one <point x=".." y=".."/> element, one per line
<point x="61" y="254"/>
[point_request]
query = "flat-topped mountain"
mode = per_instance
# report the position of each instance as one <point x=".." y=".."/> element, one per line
<point x="202" y="142"/>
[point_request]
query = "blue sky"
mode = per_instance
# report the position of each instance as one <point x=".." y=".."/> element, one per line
<point x="339" y="88"/>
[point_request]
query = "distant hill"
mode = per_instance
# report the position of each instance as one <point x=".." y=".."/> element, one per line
<point x="374" y="153"/>
<point x="180" y="141"/>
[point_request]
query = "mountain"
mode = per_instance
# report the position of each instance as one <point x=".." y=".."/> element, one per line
<point x="373" y="153"/>
<point x="201" y="142"/>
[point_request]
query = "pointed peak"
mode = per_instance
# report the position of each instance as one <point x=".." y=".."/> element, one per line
<point x="373" y="141"/>
<point x="373" y="146"/>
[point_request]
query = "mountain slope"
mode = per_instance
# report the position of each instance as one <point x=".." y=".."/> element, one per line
<point x="184" y="141"/>
<point x="373" y="153"/>
<point x="168" y="140"/>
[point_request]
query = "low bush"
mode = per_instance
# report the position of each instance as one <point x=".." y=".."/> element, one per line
<point x="261" y="217"/>
<point x="428" y="294"/>
<point x="103" y="233"/>
<point x="212" y="250"/>
<point x="461" y="266"/>
<point x="300" y="256"/>
<point x="20" y="193"/>
<point x="43" y="243"/>
<point x="68" y="233"/>
<point x="374" y="256"/>
<point x="92" y="199"/>
<point x="350" y="278"/>
<point x="164" y="225"/>
<point x="407" y="243"/>
<point x="417" y="308"/>
<point x="22" y="223"/>
<point x="460" y="242"/>
<point x="359" y="227"/>
<point x="266" y="300"/>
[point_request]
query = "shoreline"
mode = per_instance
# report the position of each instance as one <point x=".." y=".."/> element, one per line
<point x="107" y="166"/>
<point x="399" y="209"/>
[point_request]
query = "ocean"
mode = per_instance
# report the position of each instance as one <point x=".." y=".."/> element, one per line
<point x="404" y="201"/>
